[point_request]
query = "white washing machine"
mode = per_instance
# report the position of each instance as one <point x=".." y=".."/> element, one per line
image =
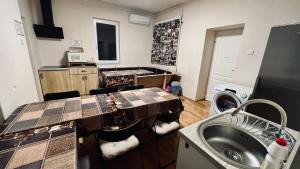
<point x="227" y="96"/>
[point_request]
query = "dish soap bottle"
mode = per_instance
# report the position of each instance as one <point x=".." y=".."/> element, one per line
<point x="277" y="153"/>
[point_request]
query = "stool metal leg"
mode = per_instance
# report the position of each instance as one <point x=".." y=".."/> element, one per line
<point x="142" y="157"/>
<point x="157" y="151"/>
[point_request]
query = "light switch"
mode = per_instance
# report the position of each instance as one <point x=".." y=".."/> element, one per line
<point x="14" y="89"/>
<point x="250" y="52"/>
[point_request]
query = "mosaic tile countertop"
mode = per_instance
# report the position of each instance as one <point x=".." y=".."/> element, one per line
<point x="147" y="96"/>
<point x="41" y="114"/>
<point x="149" y="102"/>
<point x="122" y="77"/>
<point x="145" y="102"/>
<point x="127" y="72"/>
<point x="53" y="148"/>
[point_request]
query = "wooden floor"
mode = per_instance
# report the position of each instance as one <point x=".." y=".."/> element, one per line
<point x="194" y="111"/>
<point x="89" y="157"/>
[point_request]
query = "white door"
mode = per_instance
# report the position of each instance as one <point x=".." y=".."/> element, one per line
<point x="225" y="52"/>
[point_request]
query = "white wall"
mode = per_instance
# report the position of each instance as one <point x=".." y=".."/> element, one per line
<point x="76" y="19"/>
<point x="198" y="16"/>
<point x="17" y="82"/>
<point x="31" y="39"/>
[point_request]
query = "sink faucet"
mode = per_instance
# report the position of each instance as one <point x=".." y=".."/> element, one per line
<point x="278" y="150"/>
<point x="277" y="106"/>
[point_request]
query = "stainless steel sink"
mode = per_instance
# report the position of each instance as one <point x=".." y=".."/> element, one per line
<point x="235" y="145"/>
<point x="240" y="140"/>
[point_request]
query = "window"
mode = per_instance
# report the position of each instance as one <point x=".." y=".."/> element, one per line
<point x="107" y="35"/>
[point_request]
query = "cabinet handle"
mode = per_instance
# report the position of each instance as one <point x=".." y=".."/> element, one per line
<point x="83" y="71"/>
<point x="186" y="145"/>
<point x="82" y="77"/>
<point x="41" y="76"/>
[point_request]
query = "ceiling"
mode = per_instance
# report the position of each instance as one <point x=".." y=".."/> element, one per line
<point x="153" y="6"/>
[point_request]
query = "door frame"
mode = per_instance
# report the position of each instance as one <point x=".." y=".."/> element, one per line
<point x="207" y="57"/>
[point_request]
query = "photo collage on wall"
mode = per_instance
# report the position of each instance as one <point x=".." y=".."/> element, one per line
<point x="165" y="43"/>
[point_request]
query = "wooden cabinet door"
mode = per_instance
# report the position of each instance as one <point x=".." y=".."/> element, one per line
<point x="92" y="82"/>
<point x="55" y="81"/>
<point x="78" y="83"/>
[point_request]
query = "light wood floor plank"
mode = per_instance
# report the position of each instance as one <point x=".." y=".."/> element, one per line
<point x="194" y="111"/>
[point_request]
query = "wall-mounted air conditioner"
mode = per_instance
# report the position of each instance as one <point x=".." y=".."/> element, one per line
<point x="139" y="19"/>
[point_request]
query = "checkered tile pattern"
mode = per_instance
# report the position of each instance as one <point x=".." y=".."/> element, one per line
<point x="38" y="149"/>
<point x="49" y="113"/>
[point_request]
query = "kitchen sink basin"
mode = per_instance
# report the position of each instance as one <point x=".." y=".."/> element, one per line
<point x="235" y="145"/>
<point x="240" y="140"/>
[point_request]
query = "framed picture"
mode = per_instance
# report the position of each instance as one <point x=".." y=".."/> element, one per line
<point x="165" y="42"/>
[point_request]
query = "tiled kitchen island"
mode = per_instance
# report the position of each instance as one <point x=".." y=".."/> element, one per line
<point x="43" y="134"/>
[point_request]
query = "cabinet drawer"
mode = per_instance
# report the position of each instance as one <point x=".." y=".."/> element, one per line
<point x="83" y="70"/>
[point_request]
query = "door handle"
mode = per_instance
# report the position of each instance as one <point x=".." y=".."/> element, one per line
<point x="84" y="77"/>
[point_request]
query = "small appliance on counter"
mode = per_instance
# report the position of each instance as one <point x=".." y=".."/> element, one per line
<point x="77" y="55"/>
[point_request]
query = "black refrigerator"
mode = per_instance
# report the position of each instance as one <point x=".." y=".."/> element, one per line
<point x="279" y="76"/>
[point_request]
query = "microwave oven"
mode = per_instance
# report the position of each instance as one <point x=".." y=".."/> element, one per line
<point x="74" y="57"/>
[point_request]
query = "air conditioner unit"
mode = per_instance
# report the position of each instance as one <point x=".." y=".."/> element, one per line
<point x="139" y="19"/>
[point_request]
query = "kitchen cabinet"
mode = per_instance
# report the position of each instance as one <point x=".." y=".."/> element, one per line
<point x="92" y="82"/>
<point x="54" y="80"/>
<point x="84" y="79"/>
<point x="189" y="157"/>
<point x="77" y="83"/>
<point x="58" y="79"/>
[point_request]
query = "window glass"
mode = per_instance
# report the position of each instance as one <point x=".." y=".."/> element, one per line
<point x="107" y="41"/>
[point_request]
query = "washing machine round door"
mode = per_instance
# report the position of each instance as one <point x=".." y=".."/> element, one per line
<point x="225" y="100"/>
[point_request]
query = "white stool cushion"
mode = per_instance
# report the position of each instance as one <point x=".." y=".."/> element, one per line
<point x="111" y="150"/>
<point x="162" y="128"/>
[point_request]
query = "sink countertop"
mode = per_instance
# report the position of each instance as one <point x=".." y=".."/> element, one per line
<point x="293" y="155"/>
<point x="54" y="68"/>
<point x="191" y="135"/>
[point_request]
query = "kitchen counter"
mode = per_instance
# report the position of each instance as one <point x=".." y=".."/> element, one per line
<point x="127" y="72"/>
<point x="52" y="68"/>
<point x="43" y="114"/>
<point x="294" y="161"/>
<point x="48" y="129"/>
<point x="122" y="77"/>
<point x="53" y="147"/>
<point x="191" y="136"/>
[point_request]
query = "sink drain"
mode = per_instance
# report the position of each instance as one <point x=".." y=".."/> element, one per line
<point x="233" y="155"/>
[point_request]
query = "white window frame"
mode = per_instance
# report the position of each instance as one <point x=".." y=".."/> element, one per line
<point x="109" y="22"/>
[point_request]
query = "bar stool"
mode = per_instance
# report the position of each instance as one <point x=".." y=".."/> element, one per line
<point x="61" y="95"/>
<point x="103" y="90"/>
<point x="114" y="142"/>
<point x="131" y="87"/>
<point x="165" y="124"/>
